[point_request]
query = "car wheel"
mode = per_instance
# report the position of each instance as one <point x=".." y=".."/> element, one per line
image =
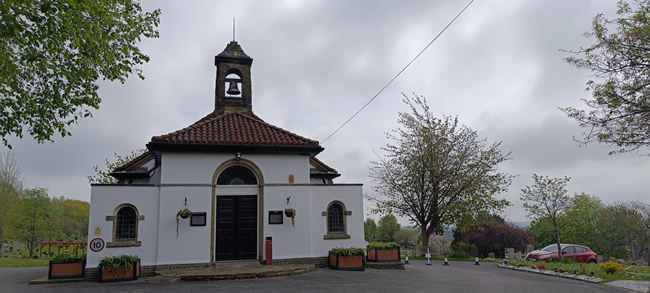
<point x="592" y="261"/>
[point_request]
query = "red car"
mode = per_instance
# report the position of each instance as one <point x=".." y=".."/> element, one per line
<point x="569" y="251"/>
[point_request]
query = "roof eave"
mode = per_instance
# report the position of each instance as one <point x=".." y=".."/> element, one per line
<point x="222" y="148"/>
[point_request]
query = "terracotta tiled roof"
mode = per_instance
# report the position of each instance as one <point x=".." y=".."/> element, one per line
<point x="234" y="129"/>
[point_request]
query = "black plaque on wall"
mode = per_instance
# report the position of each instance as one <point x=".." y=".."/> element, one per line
<point x="275" y="217"/>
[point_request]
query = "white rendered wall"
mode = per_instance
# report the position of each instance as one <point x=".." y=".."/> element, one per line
<point x="305" y="239"/>
<point x="198" y="168"/>
<point x="193" y="242"/>
<point x="103" y="202"/>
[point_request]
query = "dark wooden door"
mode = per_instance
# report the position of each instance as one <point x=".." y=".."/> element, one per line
<point x="236" y="227"/>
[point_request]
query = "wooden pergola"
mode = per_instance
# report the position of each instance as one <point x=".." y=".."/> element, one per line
<point x="62" y="244"/>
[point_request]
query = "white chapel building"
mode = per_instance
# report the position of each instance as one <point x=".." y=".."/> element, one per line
<point x="236" y="174"/>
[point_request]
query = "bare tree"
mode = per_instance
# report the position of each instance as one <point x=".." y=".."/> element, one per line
<point x="437" y="171"/>
<point x="10" y="184"/>
<point x="548" y="200"/>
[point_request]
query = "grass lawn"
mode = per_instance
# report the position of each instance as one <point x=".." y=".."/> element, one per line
<point x="24" y="262"/>
<point x="586" y="269"/>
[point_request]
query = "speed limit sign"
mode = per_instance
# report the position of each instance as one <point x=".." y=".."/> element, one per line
<point x="96" y="245"/>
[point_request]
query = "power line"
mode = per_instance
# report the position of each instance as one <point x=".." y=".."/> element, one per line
<point x="399" y="73"/>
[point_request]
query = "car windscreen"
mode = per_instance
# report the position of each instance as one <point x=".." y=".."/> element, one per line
<point x="550" y="248"/>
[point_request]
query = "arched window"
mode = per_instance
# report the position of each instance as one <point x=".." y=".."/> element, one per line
<point x="336" y="223"/>
<point x="335" y="218"/>
<point x="125" y="228"/>
<point x="237" y="175"/>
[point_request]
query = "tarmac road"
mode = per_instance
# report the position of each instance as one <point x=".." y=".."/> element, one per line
<point x="418" y="277"/>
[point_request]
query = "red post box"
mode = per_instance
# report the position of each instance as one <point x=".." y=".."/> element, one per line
<point x="269" y="250"/>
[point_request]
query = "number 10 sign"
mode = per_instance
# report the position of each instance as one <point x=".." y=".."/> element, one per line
<point x="96" y="245"/>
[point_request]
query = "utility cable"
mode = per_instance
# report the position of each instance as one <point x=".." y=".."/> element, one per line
<point x="399" y="73"/>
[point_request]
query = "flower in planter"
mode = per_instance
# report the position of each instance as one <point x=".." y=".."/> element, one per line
<point x="541" y="267"/>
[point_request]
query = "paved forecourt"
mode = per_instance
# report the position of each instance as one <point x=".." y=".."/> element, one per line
<point x="418" y="277"/>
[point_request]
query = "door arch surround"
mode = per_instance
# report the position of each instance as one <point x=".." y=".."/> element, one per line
<point x="260" y="203"/>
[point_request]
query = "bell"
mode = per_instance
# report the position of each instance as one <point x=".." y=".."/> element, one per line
<point x="232" y="89"/>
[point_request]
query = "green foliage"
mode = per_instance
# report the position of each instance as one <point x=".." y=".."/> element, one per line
<point x="466" y="249"/>
<point x="611" y="267"/>
<point x="547" y="200"/>
<point x="113" y="263"/>
<point x="351" y="251"/>
<point x="74" y="218"/>
<point x="406" y="238"/>
<point x="103" y="176"/>
<point x="35" y="219"/>
<point x="68" y="258"/>
<point x="10" y="175"/>
<point x="54" y="52"/>
<point x="436" y="170"/>
<point x="388" y="227"/>
<point x="382" y="245"/>
<point x="23" y="262"/>
<point x="585" y="269"/>
<point x="370" y="230"/>
<point x="459" y="254"/>
<point x="621" y="87"/>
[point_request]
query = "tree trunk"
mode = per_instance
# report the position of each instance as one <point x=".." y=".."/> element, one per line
<point x="2" y="241"/>
<point x="425" y="239"/>
<point x="31" y="246"/>
<point x="559" y="247"/>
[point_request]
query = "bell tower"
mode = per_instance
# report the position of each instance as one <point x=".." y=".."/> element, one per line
<point x="233" y="86"/>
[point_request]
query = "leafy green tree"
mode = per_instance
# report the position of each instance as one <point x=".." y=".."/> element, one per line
<point x="388" y="227"/>
<point x="10" y="176"/>
<point x="406" y="238"/>
<point x="543" y="232"/>
<point x="103" y="176"/>
<point x="370" y="230"/>
<point x="35" y="220"/>
<point x="53" y="54"/>
<point x="547" y="200"/>
<point x="582" y="218"/>
<point x="437" y="171"/>
<point x="633" y="222"/>
<point x="619" y="61"/>
<point x="74" y="217"/>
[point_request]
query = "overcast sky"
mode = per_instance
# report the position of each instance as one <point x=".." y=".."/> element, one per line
<point x="499" y="68"/>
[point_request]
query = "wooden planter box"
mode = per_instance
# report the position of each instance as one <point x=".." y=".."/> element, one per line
<point x="71" y="270"/>
<point x="380" y="255"/>
<point x="122" y="274"/>
<point x="347" y="263"/>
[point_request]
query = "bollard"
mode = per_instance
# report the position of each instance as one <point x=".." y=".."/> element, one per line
<point x="446" y="262"/>
<point x="476" y="262"/>
<point x="505" y="261"/>
<point x="407" y="260"/>
<point x="428" y="255"/>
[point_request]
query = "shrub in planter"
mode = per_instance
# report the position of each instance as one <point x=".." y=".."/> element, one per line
<point x="348" y="259"/>
<point x="119" y="268"/>
<point x="383" y="252"/>
<point x="65" y="266"/>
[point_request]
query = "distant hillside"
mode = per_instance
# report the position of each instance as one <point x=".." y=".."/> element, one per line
<point x="522" y="224"/>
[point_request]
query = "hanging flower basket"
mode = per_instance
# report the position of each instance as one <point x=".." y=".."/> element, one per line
<point x="184" y="213"/>
<point x="291" y="213"/>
